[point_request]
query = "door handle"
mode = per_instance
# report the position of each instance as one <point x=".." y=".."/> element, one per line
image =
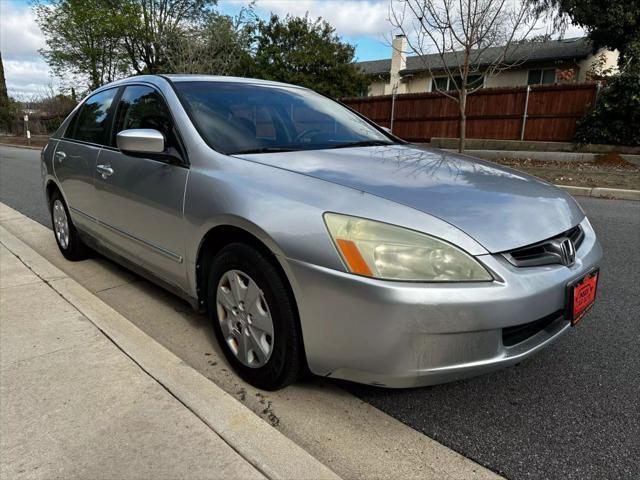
<point x="61" y="156"/>
<point x="105" y="171"/>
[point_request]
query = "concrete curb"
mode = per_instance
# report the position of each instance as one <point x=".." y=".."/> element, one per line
<point x="27" y="147"/>
<point x="544" y="156"/>
<point x="268" y="450"/>
<point x="600" y="192"/>
<point x="533" y="145"/>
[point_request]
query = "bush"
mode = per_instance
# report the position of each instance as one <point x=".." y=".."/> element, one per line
<point x="615" y="119"/>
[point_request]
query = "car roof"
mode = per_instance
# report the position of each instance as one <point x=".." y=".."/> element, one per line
<point x="156" y="79"/>
<point x="183" y="77"/>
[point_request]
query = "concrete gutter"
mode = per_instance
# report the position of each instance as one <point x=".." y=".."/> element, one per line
<point x="268" y="450"/>
<point x="534" y="146"/>
<point x="542" y="155"/>
<point x="20" y="146"/>
<point x="599" y="192"/>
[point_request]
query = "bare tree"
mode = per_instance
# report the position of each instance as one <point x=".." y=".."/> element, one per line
<point x="149" y="24"/>
<point x="472" y="39"/>
<point x="218" y="45"/>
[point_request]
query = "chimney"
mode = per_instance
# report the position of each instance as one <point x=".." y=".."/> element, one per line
<point x="399" y="54"/>
<point x="398" y="63"/>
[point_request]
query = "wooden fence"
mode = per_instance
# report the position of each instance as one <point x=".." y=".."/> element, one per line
<point x="549" y="114"/>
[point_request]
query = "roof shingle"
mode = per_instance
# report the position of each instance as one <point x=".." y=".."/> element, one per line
<point x="527" y="52"/>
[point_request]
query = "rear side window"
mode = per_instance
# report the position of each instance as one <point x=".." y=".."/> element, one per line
<point x="143" y="107"/>
<point x="90" y="124"/>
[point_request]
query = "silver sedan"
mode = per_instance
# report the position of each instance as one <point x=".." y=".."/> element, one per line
<point x="314" y="239"/>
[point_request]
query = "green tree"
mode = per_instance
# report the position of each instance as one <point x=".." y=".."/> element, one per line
<point x="149" y="25"/>
<point x="616" y="116"/>
<point x="83" y="39"/>
<point x="614" y="24"/>
<point x="7" y="107"/>
<point x="306" y="52"/>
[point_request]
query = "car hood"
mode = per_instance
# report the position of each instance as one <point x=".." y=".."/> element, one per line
<point x="499" y="207"/>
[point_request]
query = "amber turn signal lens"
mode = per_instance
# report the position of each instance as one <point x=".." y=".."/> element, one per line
<point x="352" y="256"/>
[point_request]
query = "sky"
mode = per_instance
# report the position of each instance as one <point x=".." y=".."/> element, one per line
<point x="362" y="23"/>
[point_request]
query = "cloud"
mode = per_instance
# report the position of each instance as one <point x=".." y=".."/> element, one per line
<point x="26" y="72"/>
<point x="20" y="36"/>
<point x="28" y="78"/>
<point x="348" y="17"/>
<point x="363" y="22"/>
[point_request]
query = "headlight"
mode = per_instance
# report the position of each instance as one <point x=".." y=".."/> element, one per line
<point x="380" y="250"/>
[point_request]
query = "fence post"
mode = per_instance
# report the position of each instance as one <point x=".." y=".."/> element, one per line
<point x="393" y="105"/>
<point x="524" y="115"/>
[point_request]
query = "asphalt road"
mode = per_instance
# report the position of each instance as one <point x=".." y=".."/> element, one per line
<point x="572" y="411"/>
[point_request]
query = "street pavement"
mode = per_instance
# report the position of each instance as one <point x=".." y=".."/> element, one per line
<point x="569" y="412"/>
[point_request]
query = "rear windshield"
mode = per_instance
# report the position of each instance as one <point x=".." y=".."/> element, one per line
<point x="237" y="118"/>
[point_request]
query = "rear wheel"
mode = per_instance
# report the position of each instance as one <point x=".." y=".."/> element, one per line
<point x="254" y="318"/>
<point x="65" y="232"/>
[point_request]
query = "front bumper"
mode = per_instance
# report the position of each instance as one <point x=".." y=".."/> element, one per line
<point x="398" y="334"/>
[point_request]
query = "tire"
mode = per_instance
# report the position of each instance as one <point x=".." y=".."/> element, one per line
<point x="268" y="360"/>
<point x="64" y="231"/>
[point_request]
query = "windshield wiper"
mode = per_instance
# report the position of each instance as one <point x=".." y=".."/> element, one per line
<point x="263" y="150"/>
<point x="364" y="143"/>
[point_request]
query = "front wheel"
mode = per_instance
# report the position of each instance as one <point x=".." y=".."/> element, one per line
<point x="65" y="232"/>
<point x="254" y="317"/>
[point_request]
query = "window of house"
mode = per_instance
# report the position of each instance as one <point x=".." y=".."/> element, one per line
<point x="90" y="123"/>
<point x="541" y="76"/>
<point x="446" y="84"/>
<point x="441" y="83"/>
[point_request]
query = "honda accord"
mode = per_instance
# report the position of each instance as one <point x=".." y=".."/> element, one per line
<point x="314" y="239"/>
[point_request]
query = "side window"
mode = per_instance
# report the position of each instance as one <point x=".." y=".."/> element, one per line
<point x="90" y="123"/>
<point x="143" y="107"/>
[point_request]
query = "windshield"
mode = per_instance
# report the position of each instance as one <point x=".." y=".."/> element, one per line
<point x="237" y="118"/>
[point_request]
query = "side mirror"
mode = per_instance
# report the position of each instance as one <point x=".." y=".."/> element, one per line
<point x="140" y="140"/>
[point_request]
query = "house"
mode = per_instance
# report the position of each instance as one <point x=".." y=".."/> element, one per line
<point x="534" y="63"/>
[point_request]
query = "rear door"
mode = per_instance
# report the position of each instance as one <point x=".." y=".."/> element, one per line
<point x="140" y="200"/>
<point x="75" y="157"/>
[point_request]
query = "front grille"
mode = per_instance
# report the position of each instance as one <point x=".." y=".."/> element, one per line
<point x="545" y="252"/>
<point x="514" y="335"/>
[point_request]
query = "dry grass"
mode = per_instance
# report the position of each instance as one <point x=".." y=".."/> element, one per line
<point x="608" y="170"/>
<point x="36" y="141"/>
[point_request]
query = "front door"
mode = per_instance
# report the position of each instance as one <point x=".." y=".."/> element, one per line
<point x="140" y="199"/>
<point x="75" y="157"/>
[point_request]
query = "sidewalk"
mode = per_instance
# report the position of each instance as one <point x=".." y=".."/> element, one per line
<point x="353" y="438"/>
<point x="75" y="402"/>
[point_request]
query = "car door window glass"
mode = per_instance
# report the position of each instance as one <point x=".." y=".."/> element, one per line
<point x="143" y="107"/>
<point x="91" y="122"/>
